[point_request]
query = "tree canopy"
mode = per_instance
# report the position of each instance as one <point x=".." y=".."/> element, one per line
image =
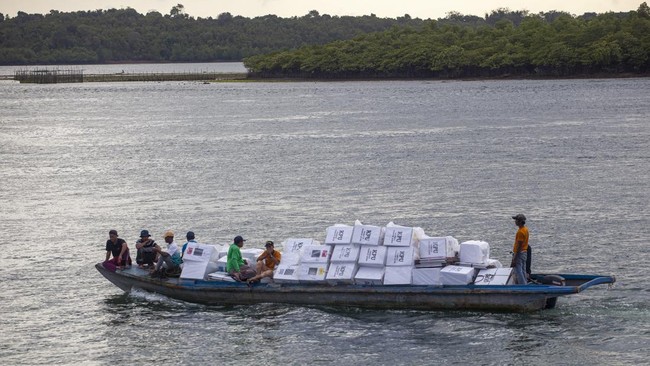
<point x="124" y="35"/>
<point x="503" y="43"/>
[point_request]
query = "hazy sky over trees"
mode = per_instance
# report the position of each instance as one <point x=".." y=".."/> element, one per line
<point x="286" y="8"/>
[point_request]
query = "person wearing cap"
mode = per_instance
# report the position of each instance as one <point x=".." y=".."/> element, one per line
<point x="236" y="266"/>
<point x="119" y="249"/>
<point x="520" y="250"/>
<point x="146" y="250"/>
<point x="266" y="262"/>
<point x="190" y="239"/>
<point x="170" y="258"/>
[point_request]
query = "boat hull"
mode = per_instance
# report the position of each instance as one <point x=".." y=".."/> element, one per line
<point x="485" y="298"/>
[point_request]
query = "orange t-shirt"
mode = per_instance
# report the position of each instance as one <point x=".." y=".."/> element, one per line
<point x="522" y="235"/>
<point x="267" y="261"/>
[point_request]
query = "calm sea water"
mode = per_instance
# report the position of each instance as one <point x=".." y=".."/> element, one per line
<point x="279" y="160"/>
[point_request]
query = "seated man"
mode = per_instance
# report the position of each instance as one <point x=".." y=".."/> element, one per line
<point x="190" y="239"/>
<point x="120" y="251"/>
<point x="236" y="266"/>
<point x="266" y="262"/>
<point x="171" y="258"/>
<point x="147" y="252"/>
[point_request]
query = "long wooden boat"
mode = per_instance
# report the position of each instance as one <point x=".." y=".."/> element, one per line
<point x="509" y="298"/>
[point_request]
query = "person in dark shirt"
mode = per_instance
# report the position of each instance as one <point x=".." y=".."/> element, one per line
<point x="147" y="250"/>
<point x="118" y="248"/>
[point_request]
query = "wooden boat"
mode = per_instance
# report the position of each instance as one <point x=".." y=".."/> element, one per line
<point x="509" y="298"/>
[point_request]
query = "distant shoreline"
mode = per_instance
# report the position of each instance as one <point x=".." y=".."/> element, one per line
<point x="37" y="77"/>
<point x="494" y="78"/>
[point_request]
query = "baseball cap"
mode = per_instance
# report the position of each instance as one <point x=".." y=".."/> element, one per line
<point x="519" y="217"/>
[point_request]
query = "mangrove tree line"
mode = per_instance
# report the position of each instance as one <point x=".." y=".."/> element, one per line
<point x="520" y="44"/>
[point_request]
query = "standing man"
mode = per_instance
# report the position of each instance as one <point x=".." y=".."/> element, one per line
<point x="266" y="262"/>
<point x="118" y="248"/>
<point x="236" y="266"/>
<point x="520" y="249"/>
<point x="171" y="258"/>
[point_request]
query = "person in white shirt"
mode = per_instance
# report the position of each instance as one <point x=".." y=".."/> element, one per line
<point x="171" y="259"/>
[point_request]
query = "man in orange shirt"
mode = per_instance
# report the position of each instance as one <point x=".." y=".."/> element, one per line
<point x="266" y="262"/>
<point x="520" y="250"/>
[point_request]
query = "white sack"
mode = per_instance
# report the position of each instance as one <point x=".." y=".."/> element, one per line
<point x="457" y="275"/>
<point x="474" y="252"/>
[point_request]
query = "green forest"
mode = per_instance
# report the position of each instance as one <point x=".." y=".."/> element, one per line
<point x="517" y="44"/>
<point x="501" y="43"/>
<point x="124" y="35"/>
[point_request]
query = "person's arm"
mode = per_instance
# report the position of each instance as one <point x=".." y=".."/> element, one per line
<point x="122" y="251"/>
<point x="108" y="254"/>
<point x="273" y="258"/>
<point x="263" y="256"/>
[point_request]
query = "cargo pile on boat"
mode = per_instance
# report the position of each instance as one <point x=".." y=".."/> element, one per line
<point x="365" y="255"/>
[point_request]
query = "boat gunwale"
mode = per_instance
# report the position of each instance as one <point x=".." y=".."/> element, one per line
<point x="325" y="287"/>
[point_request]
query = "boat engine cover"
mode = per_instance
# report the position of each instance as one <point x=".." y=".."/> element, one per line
<point x="554" y="280"/>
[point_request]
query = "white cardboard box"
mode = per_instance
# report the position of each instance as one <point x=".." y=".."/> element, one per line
<point x="315" y="254"/>
<point x="398" y="236"/>
<point x="436" y="248"/>
<point x="221" y="276"/>
<point x="200" y="252"/>
<point x="312" y="272"/>
<point x="366" y="235"/>
<point x="369" y="276"/>
<point x="399" y="256"/>
<point x="199" y="260"/>
<point x="251" y="254"/>
<point x="197" y="270"/>
<point x="457" y="275"/>
<point x="290" y="258"/>
<point x="475" y="252"/>
<point x="294" y="245"/>
<point x="494" y="277"/>
<point x="286" y="273"/>
<point x="341" y="272"/>
<point x="372" y="256"/>
<point x="398" y="275"/>
<point x="345" y="253"/>
<point x="427" y="276"/>
<point x="221" y="264"/>
<point x="339" y="234"/>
